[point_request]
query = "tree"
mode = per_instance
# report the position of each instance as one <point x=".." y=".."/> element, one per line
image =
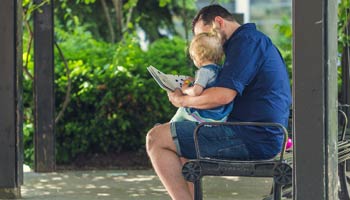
<point x="154" y="17"/>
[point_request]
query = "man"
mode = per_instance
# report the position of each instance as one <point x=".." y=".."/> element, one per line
<point x="254" y="76"/>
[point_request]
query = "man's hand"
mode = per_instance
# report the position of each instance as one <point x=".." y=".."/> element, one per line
<point x="176" y="98"/>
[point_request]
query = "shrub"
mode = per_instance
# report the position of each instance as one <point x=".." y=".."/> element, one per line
<point x="114" y="100"/>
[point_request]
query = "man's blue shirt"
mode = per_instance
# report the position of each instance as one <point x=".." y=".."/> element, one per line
<point x="255" y="69"/>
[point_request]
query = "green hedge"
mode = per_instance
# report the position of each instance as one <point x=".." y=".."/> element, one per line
<point x="114" y="101"/>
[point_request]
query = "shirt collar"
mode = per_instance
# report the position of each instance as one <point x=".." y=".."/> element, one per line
<point x="238" y="30"/>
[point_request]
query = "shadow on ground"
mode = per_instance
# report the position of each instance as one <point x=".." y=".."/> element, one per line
<point x="131" y="184"/>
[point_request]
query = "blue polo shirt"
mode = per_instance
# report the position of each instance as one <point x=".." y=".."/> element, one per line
<point x="255" y="69"/>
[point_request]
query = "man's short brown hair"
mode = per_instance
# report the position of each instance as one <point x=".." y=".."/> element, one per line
<point x="207" y="15"/>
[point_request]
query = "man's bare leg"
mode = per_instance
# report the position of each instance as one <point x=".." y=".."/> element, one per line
<point x="189" y="184"/>
<point x="162" y="152"/>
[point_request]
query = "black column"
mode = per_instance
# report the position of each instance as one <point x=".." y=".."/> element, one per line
<point x="315" y="99"/>
<point x="11" y="152"/>
<point x="44" y="139"/>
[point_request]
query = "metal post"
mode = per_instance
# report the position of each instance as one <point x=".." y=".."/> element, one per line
<point x="11" y="152"/>
<point x="315" y="99"/>
<point x="44" y="139"/>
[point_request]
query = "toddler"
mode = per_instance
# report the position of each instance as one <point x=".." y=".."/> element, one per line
<point x="206" y="52"/>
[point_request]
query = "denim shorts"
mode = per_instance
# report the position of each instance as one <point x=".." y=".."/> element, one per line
<point x="214" y="141"/>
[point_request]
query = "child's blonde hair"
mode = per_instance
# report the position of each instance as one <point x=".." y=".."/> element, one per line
<point x="207" y="46"/>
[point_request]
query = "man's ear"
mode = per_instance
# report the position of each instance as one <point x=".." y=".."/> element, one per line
<point x="218" y="22"/>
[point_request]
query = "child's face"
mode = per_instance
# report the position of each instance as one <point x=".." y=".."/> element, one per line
<point x="196" y="62"/>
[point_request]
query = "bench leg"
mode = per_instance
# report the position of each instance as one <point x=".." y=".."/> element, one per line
<point x="198" y="194"/>
<point x="277" y="191"/>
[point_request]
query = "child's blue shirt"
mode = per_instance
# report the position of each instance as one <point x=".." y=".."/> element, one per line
<point x="218" y="114"/>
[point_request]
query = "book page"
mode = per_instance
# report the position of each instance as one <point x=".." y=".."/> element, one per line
<point x="161" y="79"/>
<point x="167" y="81"/>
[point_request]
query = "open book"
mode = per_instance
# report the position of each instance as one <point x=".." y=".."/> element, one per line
<point x="168" y="82"/>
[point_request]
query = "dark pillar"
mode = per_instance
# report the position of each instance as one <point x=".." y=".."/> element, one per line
<point x="315" y="99"/>
<point x="11" y="152"/>
<point x="44" y="139"/>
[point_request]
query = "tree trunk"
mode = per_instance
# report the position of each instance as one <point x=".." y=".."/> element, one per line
<point x="119" y="16"/>
<point x="184" y="18"/>
<point x="109" y="21"/>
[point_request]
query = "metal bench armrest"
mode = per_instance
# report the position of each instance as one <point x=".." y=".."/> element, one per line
<point x="345" y="124"/>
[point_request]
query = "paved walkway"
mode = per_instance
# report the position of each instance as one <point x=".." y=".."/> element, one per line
<point x="131" y="184"/>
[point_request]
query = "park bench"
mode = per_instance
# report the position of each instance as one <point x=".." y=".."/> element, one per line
<point x="343" y="158"/>
<point x="278" y="168"/>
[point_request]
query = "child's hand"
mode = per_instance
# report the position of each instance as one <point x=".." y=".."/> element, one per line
<point x="191" y="79"/>
<point x="187" y="83"/>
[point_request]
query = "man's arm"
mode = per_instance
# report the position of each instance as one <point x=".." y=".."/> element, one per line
<point x="195" y="90"/>
<point x="210" y="98"/>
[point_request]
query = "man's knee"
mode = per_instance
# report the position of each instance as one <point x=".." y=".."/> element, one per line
<point x="158" y="137"/>
<point x="151" y="138"/>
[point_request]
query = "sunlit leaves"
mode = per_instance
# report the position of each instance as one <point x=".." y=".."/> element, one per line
<point x="130" y="4"/>
<point x="163" y="3"/>
<point x="343" y="24"/>
<point x="29" y="7"/>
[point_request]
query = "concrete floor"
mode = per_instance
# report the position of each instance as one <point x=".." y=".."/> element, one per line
<point x="131" y="184"/>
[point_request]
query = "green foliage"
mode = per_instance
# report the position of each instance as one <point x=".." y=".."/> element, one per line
<point x="172" y="58"/>
<point x="28" y="127"/>
<point x="343" y="20"/>
<point x="343" y="36"/>
<point x="29" y="6"/>
<point x="284" y="42"/>
<point x="151" y="17"/>
<point x="163" y="3"/>
<point x="114" y="100"/>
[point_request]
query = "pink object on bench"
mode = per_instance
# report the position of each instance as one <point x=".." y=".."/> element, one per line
<point x="289" y="143"/>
